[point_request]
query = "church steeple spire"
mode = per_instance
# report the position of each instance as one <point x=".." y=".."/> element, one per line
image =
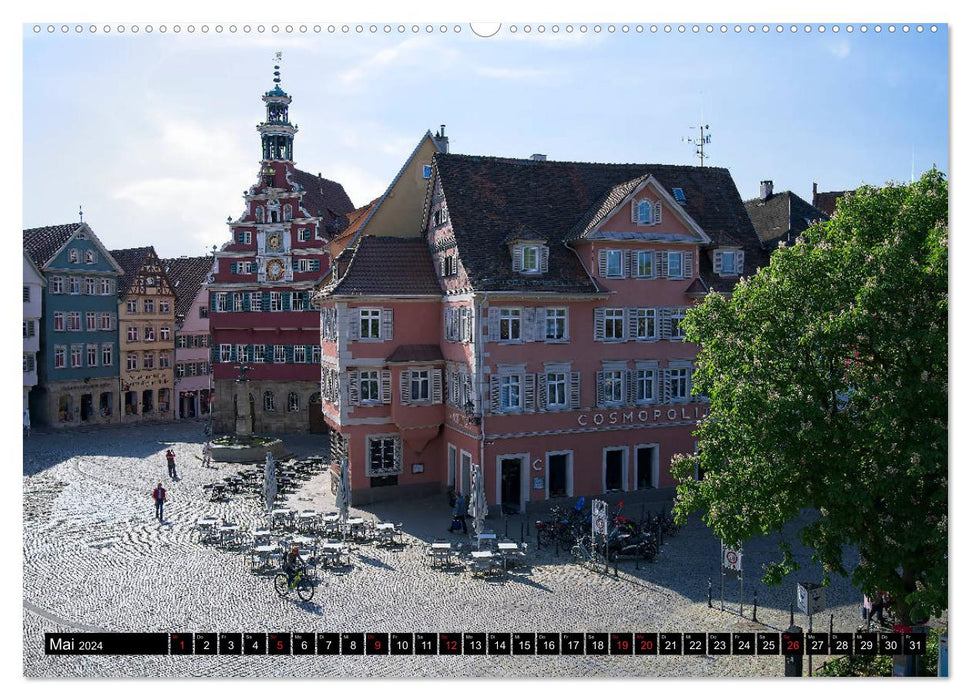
<point x="277" y="132"/>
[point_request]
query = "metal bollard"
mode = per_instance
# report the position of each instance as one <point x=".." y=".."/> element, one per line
<point x="709" y="591"/>
<point x="521" y="531"/>
<point x="791" y="618"/>
<point x="755" y="605"/>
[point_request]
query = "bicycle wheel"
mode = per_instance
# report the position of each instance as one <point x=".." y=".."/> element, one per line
<point x="544" y="536"/>
<point x="305" y="589"/>
<point x="280" y="584"/>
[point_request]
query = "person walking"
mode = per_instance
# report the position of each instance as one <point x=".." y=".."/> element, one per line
<point x="159" y="496"/>
<point x="458" y="513"/>
<point x="207" y="454"/>
<point x="170" y="459"/>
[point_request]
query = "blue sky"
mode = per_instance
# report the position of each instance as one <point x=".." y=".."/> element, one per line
<point x="154" y="134"/>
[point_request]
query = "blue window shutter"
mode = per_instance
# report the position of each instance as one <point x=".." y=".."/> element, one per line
<point x="246" y="302"/>
<point x="315" y="265"/>
<point x="265" y="306"/>
<point x="309" y="350"/>
<point x="233" y="267"/>
<point x="288" y="353"/>
<point x="286" y="301"/>
<point x="212" y="301"/>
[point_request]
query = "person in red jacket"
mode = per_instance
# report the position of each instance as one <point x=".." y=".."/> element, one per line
<point x="159" y="495"/>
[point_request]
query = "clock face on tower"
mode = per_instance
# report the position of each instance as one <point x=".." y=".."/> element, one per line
<point x="274" y="270"/>
<point x="274" y="240"/>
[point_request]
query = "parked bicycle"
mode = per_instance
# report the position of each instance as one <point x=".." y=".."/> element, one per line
<point x="301" y="583"/>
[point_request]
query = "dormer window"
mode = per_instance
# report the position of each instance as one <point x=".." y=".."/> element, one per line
<point x="530" y="258"/>
<point x="90" y="257"/>
<point x="646" y="212"/>
<point x="728" y="262"/>
<point x="74" y="255"/>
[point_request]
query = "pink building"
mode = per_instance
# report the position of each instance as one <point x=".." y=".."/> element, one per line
<point x="532" y="328"/>
<point x="193" y="371"/>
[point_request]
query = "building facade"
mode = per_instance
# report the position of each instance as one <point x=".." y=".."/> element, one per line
<point x="260" y="311"/>
<point x="78" y="363"/>
<point x="551" y="353"/>
<point x="146" y="334"/>
<point x="193" y="370"/>
<point x="779" y="218"/>
<point x="33" y="311"/>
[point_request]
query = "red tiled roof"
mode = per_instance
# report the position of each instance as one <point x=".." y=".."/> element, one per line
<point x="490" y="197"/>
<point x="131" y="261"/>
<point x="782" y="216"/>
<point x="41" y="243"/>
<point x="826" y="201"/>
<point x="382" y="266"/>
<point x="187" y="275"/>
<point x="323" y="197"/>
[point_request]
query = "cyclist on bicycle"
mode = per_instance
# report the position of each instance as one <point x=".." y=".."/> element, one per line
<point x="293" y="564"/>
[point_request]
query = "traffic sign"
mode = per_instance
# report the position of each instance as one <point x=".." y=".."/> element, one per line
<point x="732" y="557"/>
<point x="810" y="597"/>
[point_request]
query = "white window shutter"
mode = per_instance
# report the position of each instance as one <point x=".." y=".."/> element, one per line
<point x="541" y="394"/>
<point x="663" y="270"/>
<point x="494" y="404"/>
<point x="632" y="264"/>
<point x="633" y="211"/>
<point x="528" y="325"/>
<point x="658" y="257"/>
<point x="544" y="258"/>
<point x="405" y="386"/>
<point x="630" y="379"/>
<point x="436" y="386"/>
<point x="574" y="390"/>
<point x="397" y="453"/>
<point x="740" y="262"/>
<point x="386" y="386"/>
<point x="657" y="212"/>
<point x="517" y="258"/>
<point x="387" y="324"/>
<point x="598" y="324"/>
<point x="353" y="392"/>
<point x="689" y="265"/>
<point x="447" y="317"/>
<point x="529" y="393"/>
<point x="602" y="262"/>
<point x="628" y="324"/>
<point x="494" y="324"/>
<point x="625" y="265"/>
<point x="600" y="388"/>
<point x="539" y="324"/>
<point x="717" y="262"/>
<point x="664" y="324"/>
<point x="665" y="386"/>
<point x="353" y="323"/>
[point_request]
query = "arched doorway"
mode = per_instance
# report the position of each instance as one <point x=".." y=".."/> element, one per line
<point x="316" y="414"/>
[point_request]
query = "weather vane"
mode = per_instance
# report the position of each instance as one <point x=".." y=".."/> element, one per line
<point x="278" y="57"/>
<point x="81" y="212"/>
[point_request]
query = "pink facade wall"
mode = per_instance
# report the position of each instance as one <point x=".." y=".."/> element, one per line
<point x="193" y="325"/>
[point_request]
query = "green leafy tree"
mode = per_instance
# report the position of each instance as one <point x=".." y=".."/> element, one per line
<point x="827" y="377"/>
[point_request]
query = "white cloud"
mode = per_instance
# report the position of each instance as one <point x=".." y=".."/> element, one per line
<point x="514" y="73"/>
<point x="399" y="55"/>
<point x="839" y="49"/>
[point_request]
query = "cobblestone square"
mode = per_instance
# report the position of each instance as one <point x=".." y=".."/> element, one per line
<point x="97" y="560"/>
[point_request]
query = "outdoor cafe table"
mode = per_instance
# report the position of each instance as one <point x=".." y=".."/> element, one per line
<point x="355" y="525"/>
<point x="507" y="549"/>
<point x="262" y="553"/>
<point x="387" y="531"/>
<point x="228" y="531"/>
<point x="305" y="542"/>
<point x="441" y="552"/>
<point x="307" y="518"/>
<point x="483" y="561"/>
<point x="284" y="514"/>
<point x="333" y="551"/>
<point x="262" y="535"/>
<point x="207" y="526"/>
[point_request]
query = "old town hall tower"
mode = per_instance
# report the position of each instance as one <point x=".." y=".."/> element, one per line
<point x="264" y="277"/>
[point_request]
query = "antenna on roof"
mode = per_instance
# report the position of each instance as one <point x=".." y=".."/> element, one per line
<point x="81" y="211"/>
<point x="703" y="138"/>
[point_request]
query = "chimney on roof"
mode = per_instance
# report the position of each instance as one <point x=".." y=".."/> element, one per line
<point x="765" y="190"/>
<point x="441" y="140"/>
<point x="538" y="156"/>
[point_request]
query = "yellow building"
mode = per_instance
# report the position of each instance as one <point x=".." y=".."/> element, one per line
<point x="146" y="329"/>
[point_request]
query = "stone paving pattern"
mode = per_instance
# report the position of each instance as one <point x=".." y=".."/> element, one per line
<point x="96" y="559"/>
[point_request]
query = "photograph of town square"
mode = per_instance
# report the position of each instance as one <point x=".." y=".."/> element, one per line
<point x="512" y="351"/>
